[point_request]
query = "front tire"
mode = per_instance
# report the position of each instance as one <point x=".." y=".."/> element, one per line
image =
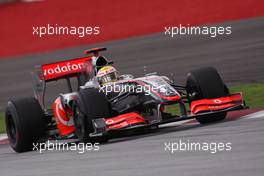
<point x="91" y="104"/>
<point x="25" y="123"/>
<point x="206" y="83"/>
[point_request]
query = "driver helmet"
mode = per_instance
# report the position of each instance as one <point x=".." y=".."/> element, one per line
<point x="107" y="74"/>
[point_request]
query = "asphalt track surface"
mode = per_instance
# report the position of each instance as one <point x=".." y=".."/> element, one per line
<point x="238" y="57"/>
<point x="145" y="154"/>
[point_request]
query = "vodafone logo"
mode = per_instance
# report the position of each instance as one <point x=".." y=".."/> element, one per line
<point x="63" y="69"/>
<point x="217" y="101"/>
<point x="58" y="69"/>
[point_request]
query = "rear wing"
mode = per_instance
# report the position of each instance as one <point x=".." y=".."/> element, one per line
<point x="89" y="65"/>
<point x="58" y="70"/>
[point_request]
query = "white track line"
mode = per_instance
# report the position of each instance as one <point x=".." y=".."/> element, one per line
<point x="3" y="137"/>
<point x="256" y="115"/>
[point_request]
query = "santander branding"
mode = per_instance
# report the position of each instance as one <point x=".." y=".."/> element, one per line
<point x="55" y="70"/>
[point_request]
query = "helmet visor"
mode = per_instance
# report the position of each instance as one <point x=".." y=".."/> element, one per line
<point x="111" y="77"/>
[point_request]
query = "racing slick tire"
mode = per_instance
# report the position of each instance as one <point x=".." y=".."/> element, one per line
<point x="206" y="83"/>
<point x="91" y="104"/>
<point x="25" y="124"/>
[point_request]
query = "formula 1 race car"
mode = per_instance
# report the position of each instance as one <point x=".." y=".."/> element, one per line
<point x="94" y="112"/>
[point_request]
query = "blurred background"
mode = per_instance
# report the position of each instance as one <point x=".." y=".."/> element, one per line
<point x="133" y="32"/>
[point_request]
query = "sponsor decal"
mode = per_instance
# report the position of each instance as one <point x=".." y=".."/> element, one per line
<point x="59" y="69"/>
<point x="217" y="101"/>
<point x="109" y="121"/>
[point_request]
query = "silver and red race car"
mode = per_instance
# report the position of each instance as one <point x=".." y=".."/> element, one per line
<point x="93" y="113"/>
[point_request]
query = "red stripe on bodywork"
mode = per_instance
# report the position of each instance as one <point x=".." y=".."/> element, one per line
<point x="216" y="103"/>
<point x="62" y="118"/>
<point x="124" y="120"/>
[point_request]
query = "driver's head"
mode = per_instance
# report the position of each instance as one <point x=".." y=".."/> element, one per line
<point x="106" y="75"/>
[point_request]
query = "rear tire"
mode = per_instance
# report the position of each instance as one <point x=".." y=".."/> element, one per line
<point x="25" y="123"/>
<point x="91" y="104"/>
<point x="206" y="83"/>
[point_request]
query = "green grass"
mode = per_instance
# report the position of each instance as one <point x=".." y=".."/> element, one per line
<point x="2" y="123"/>
<point x="252" y="93"/>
